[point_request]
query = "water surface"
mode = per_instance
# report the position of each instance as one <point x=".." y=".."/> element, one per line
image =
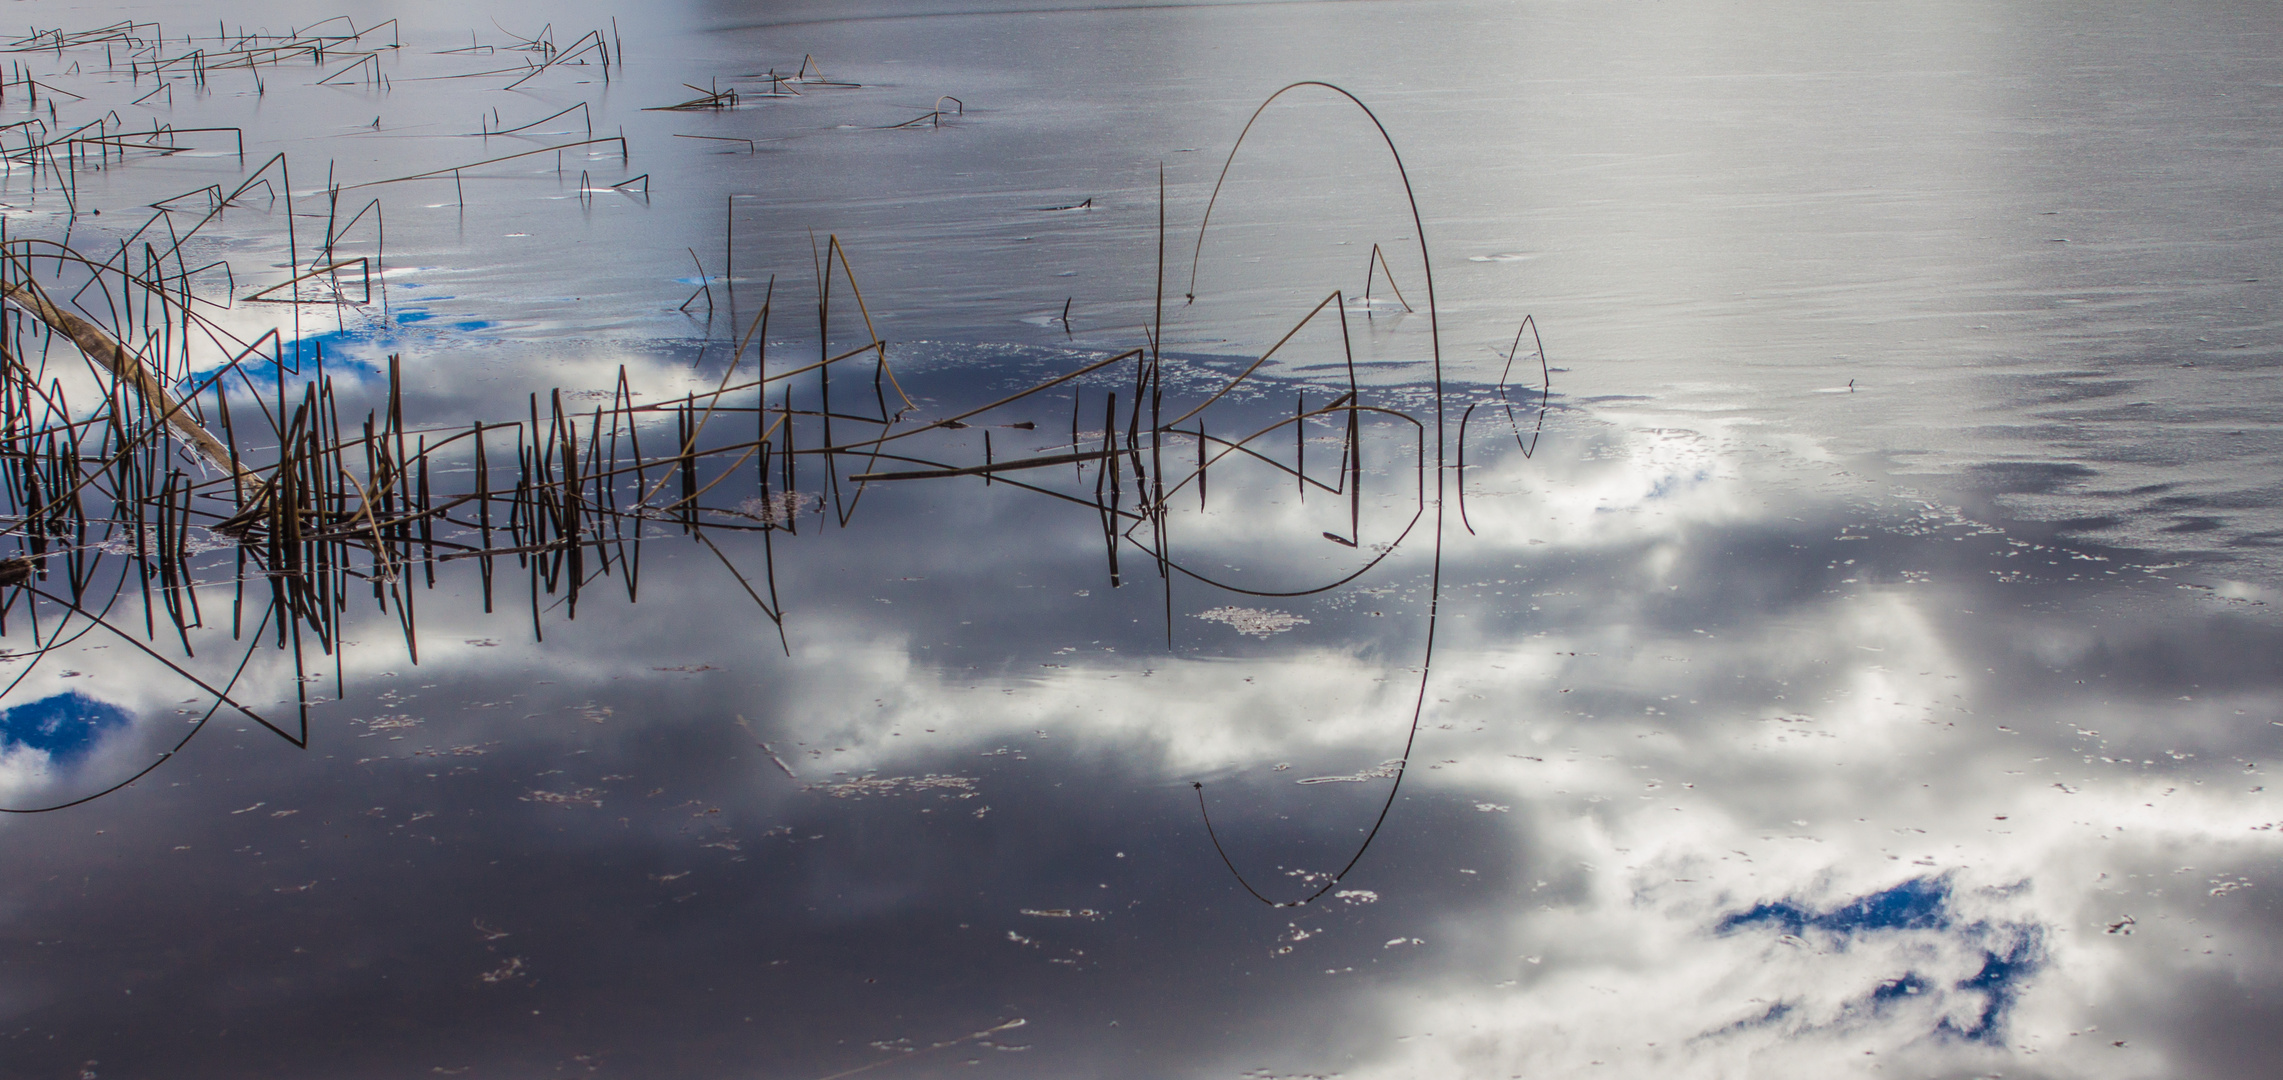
<point x="1868" y="669"/>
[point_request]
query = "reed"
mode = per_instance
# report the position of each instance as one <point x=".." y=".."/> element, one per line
<point x="311" y="509"/>
<point x="336" y="503"/>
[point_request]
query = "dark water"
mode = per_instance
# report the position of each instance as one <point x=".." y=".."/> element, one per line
<point x="1870" y="670"/>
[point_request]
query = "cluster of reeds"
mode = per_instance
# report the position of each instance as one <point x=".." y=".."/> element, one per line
<point x="772" y="84"/>
<point x="146" y="49"/>
<point x="315" y="506"/>
<point x="715" y="98"/>
<point x="593" y="47"/>
<point x="176" y="467"/>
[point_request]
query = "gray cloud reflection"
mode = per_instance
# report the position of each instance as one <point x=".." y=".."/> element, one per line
<point x="1731" y="762"/>
<point x="1741" y="754"/>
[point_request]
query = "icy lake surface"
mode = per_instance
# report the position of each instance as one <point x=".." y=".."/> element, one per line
<point x="1851" y="651"/>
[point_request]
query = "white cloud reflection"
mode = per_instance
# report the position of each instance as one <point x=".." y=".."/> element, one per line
<point x="1704" y="731"/>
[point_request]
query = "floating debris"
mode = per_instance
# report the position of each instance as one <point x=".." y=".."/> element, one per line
<point x="1256" y="622"/>
<point x="1382" y="771"/>
<point x="578" y="797"/>
<point x="511" y="969"/>
<point x="891" y="785"/>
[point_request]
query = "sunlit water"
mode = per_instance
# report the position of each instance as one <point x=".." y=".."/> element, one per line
<point x="1870" y="670"/>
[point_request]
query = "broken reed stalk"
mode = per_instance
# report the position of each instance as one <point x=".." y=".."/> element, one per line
<point x="309" y="510"/>
<point x="130" y="370"/>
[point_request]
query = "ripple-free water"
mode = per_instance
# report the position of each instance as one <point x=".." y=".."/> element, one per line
<point x="1871" y="671"/>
